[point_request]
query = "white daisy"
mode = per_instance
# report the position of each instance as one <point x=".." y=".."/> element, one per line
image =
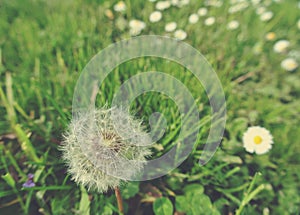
<point x="155" y="16"/>
<point x="257" y="139"/>
<point x="260" y="10"/>
<point x="162" y="5"/>
<point x="289" y="64"/>
<point x="175" y="2"/>
<point x="171" y="26"/>
<point x="232" y="25"/>
<point x="120" y="6"/>
<point x="202" y="11"/>
<point x="180" y="34"/>
<point x="255" y="2"/>
<point x="281" y="46"/>
<point x="136" y="26"/>
<point x="193" y="18"/>
<point x="266" y="16"/>
<point x="238" y="7"/>
<point x="209" y="21"/>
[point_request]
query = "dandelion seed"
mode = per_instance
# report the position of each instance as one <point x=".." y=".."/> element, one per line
<point x="232" y="25"/>
<point x="94" y="149"/>
<point x="266" y="16"/>
<point x="289" y="64"/>
<point x="281" y="46"/>
<point x="257" y="139"/>
<point x="180" y="34"/>
<point x="210" y="21"/>
<point x="120" y="6"/>
<point x="155" y="16"/>
<point x="193" y="18"/>
<point x="162" y="5"/>
<point x="136" y="27"/>
<point x="170" y="27"/>
<point x="202" y="11"/>
<point x="270" y="36"/>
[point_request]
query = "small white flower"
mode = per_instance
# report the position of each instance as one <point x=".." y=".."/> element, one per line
<point x="266" y="16"/>
<point x="281" y="46"/>
<point x="209" y="21"/>
<point x="180" y="34"/>
<point x="193" y="18"/>
<point x="171" y="26"/>
<point x="289" y="64"/>
<point x="257" y="139"/>
<point x="155" y="16"/>
<point x="120" y="6"/>
<point x="136" y="27"/>
<point x="162" y="5"/>
<point x="202" y="11"/>
<point x="184" y="2"/>
<point x="255" y="2"/>
<point x="175" y="2"/>
<point x="260" y="10"/>
<point x="232" y="25"/>
<point x="213" y="3"/>
<point x="270" y="36"/>
<point x="238" y="7"/>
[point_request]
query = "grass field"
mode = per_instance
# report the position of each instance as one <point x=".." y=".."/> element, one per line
<point x="44" y="46"/>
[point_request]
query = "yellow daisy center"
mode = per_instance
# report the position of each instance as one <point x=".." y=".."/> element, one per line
<point x="257" y="140"/>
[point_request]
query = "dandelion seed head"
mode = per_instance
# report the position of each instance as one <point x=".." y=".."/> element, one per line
<point x="94" y="149"/>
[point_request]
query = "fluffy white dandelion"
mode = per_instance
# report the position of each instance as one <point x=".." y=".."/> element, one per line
<point x="210" y="21"/>
<point x="266" y="16"/>
<point x="281" y="46"/>
<point x="193" y="18"/>
<point x="120" y="6"/>
<point x="232" y="25"/>
<point x="183" y="3"/>
<point x="257" y="139"/>
<point x="162" y="5"/>
<point x="289" y="64"/>
<point x="95" y="149"/>
<point x="170" y="27"/>
<point x="202" y="11"/>
<point x="136" y="27"/>
<point x="180" y="34"/>
<point x="155" y="16"/>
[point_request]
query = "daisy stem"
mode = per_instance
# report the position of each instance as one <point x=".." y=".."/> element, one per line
<point x="119" y="200"/>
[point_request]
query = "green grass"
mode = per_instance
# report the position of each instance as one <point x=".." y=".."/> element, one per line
<point x="44" y="46"/>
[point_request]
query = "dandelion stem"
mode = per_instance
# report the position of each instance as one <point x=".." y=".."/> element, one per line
<point x="119" y="200"/>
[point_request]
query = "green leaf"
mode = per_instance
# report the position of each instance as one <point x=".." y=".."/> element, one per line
<point x="130" y="190"/>
<point x="163" y="206"/>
